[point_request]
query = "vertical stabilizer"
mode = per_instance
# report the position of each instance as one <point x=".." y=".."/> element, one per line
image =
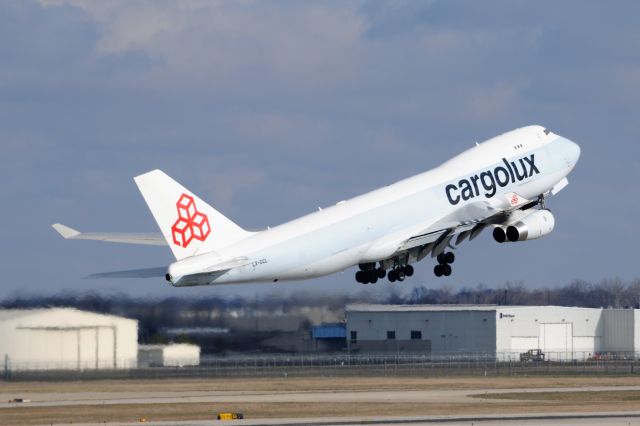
<point x="189" y="225"/>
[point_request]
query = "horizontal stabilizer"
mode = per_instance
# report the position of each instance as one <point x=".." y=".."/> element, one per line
<point x="230" y="264"/>
<point x="133" y="273"/>
<point x="112" y="237"/>
<point x="188" y="268"/>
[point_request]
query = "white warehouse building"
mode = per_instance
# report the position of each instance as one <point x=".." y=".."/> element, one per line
<point x="66" y="338"/>
<point x="501" y="331"/>
<point x="172" y="355"/>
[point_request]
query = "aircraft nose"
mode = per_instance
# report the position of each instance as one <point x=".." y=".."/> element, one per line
<point x="571" y="151"/>
<point x="575" y="151"/>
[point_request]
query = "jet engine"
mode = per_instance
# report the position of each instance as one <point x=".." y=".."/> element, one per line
<point x="534" y="225"/>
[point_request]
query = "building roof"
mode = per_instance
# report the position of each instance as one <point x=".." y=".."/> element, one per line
<point x="168" y="345"/>
<point x="419" y="308"/>
<point x="12" y="314"/>
<point x="15" y="313"/>
<point x="443" y="308"/>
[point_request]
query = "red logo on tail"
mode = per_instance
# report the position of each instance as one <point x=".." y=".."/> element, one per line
<point x="191" y="224"/>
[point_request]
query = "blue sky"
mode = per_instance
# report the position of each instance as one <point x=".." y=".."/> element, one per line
<point x="271" y="109"/>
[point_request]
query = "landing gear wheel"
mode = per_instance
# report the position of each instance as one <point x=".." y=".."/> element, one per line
<point x="437" y="270"/>
<point x="408" y="270"/>
<point x="392" y="276"/>
<point x="373" y="279"/>
<point x="381" y="273"/>
<point x="444" y="258"/>
<point x="401" y="275"/>
<point x="360" y="277"/>
<point x="449" y="257"/>
<point x="446" y="270"/>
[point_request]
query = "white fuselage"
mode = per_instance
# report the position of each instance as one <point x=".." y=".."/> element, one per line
<point x="354" y="231"/>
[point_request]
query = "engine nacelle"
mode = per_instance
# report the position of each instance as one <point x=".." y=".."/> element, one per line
<point x="535" y="225"/>
<point x="499" y="234"/>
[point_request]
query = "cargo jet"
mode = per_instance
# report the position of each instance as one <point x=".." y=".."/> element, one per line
<point x="501" y="184"/>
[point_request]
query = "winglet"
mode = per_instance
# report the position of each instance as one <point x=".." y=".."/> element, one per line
<point x="65" y="231"/>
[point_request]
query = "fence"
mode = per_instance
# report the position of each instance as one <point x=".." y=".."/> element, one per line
<point x="344" y="365"/>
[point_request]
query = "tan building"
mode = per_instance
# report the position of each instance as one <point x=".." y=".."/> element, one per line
<point x="66" y="338"/>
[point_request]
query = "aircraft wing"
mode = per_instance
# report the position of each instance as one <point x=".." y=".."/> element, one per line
<point x="113" y="237"/>
<point x="466" y="222"/>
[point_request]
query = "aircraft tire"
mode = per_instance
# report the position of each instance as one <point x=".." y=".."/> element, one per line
<point x="360" y="276"/>
<point x="408" y="270"/>
<point x="381" y="273"/>
<point x="449" y="257"/>
<point x="391" y="276"/>
<point x="446" y="270"/>
<point x="441" y="259"/>
<point x="437" y="270"/>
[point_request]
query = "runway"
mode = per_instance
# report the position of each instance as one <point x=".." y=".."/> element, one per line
<point x="559" y="419"/>
<point x="328" y="401"/>
<point x="457" y="396"/>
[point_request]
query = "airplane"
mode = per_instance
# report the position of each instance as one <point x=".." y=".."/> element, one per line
<point x="502" y="183"/>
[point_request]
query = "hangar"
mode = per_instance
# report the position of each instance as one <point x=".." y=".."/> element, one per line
<point x="503" y="332"/>
<point x="66" y="338"/>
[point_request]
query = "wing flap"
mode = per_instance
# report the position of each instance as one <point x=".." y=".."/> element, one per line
<point x="153" y="239"/>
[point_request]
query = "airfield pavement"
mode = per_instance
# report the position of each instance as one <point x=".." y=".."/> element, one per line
<point x="328" y="400"/>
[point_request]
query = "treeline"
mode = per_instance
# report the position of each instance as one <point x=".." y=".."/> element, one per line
<point x="614" y="293"/>
<point x="156" y="315"/>
<point x="218" y="311"/>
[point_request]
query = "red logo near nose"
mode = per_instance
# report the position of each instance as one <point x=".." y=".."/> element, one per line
<point x="191" y="224"/>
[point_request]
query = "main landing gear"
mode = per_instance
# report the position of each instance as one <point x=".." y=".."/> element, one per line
<point x="400" y="272"/>
<point x="443" y="268"/>
<point x="370" y="274"/>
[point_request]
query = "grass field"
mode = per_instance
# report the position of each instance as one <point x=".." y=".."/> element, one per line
<point x="490" y="403"/>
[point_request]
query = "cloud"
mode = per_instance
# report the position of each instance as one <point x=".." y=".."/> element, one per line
<point x="225" y="186"/>
<point x="219" y="42"/>
<point x="269" y="109"/>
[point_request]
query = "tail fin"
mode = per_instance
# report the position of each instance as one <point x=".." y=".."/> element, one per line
<point x="189" y="225"/>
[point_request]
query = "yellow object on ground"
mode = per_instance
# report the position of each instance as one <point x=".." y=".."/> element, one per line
<point x="230" y="416"/>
